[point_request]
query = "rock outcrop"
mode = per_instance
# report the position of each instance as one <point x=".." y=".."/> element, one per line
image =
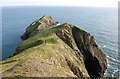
<point x="52" y="50"/>
<point x="85" y="44"/>
<point x="36" y="26"/>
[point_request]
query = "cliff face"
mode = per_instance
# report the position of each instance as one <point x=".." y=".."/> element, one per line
<point x="51" y="50"/>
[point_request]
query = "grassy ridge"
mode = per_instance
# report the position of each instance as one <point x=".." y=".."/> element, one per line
<point x="39" y="38"/>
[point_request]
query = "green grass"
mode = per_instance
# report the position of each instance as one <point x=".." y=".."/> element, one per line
<point x="51" y="41"/>
<point x="33" y="27"/>
<point x="35" y="43"/>
<point x="30" y="29"/>
<point x="45" y="44"/>
<point x="39" y="38"/>
<point x="42" y="37"/>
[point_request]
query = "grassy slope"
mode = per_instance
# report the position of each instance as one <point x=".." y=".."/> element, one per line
<point x="34" y="26"/>
<point x="38" y="39"/>
<point x="53" y="56"/>
<point x="45" y="50"/>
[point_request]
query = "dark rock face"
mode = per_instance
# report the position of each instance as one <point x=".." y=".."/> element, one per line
<point x="94" y="59"/>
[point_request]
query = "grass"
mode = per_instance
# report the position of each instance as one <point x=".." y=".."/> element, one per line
<point x="44" y="36"/>
<point x="33" y="27"/>
<point x="51" y="41"/>
<point x="11" y="62"/>
<point x="30" y="29"/>
<point x="35" y="43"/>
<point x="39" y="38"/>
<point x="38" y="46"/>
<point x="46" y="45"/>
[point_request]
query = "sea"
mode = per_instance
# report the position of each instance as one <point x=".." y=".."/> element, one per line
<point x="102" y="23"/>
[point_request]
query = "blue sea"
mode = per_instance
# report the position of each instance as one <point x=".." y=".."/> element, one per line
<point x="100" y="22"/>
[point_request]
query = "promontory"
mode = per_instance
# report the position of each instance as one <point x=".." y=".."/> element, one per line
<point x="51" y="49"/>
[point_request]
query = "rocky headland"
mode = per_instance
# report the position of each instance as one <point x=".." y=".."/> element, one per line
<point x="50" y="49"/>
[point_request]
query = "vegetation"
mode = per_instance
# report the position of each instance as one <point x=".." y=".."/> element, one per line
<point x="39" y="38"/>
<point x="57" y="51"/>
<point x="51" y="41"/>
<point x="31" y="28"/>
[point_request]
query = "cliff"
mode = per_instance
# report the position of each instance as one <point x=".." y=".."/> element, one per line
<point x="51" y="50"/>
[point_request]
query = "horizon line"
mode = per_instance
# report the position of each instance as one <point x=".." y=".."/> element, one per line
<point x="34" y="5"/>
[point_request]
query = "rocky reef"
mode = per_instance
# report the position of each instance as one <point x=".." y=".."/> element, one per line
<point x="52" y="50"/>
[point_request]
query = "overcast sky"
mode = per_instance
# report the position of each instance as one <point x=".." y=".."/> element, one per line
<point x="92" y="3"/>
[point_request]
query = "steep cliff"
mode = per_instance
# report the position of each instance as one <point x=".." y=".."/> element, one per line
<point x="51" y="50"/>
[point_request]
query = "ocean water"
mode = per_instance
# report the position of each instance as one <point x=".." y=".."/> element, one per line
<point x="100" y="22"/>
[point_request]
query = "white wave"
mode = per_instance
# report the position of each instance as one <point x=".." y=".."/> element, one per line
<point x="116" y="70"/>
<point x="104" y="46"/>
<point x="110" y="67"/>
<point x="113" y="59"/>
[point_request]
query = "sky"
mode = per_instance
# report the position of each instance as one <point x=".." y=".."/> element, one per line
<point x="91" y="3"/>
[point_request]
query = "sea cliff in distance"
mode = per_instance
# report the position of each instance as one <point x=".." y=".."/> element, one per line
<point x="51" y="49"/>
